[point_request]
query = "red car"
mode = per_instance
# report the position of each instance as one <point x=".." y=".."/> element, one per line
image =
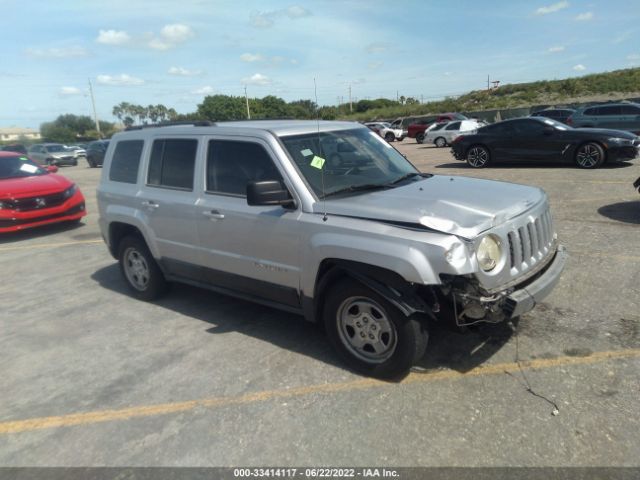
<point x="32" y="195"/>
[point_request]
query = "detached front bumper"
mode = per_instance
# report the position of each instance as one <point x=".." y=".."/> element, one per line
<point x="525" y="299"/>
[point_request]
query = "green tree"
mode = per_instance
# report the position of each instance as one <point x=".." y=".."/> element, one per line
<point x="222" y="107"/>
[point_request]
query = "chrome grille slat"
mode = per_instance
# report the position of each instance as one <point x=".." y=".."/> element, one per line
<point x="530" y="242"/>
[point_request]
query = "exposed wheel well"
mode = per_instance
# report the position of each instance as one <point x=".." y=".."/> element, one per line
<point x="119" y="230"/>
<point x="386" y="282"/>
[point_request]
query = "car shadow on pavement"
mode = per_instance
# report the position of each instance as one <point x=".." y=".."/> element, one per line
<point x="508" y="165"/>
<point x="447" y="348"/>
<point x="37" y="232"/>
<point x="627" y="212"/>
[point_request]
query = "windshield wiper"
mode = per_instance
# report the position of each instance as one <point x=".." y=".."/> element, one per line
<point x="358" y="188"/>
<point x="410" y="175"/>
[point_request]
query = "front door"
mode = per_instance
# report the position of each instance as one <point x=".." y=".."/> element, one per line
<point x="248" y="249"/>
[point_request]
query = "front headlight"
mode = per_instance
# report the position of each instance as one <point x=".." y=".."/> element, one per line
<point x="68" y="193"/>
<point x="488" y="252"/>
<point x="618" y="141"/>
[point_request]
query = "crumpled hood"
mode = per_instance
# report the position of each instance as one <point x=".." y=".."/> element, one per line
<point x="457" y="205"/>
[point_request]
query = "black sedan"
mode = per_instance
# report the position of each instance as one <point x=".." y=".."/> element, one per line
<point x="537" y="139"/>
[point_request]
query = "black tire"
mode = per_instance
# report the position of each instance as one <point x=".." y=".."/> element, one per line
<point x="49" y="161"/>
<point x="478" y="156"/>
<point x="403" y="340"/>
<point x="91" y="163"/>
<point x="133" y="249"/>
<point x="589" y="155"/>
<point x="420" y="137"/>
<point x="440" y="142"/>
<point x="389" y="137"/>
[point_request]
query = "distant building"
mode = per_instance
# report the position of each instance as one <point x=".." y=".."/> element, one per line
<point x="9" y="134"/>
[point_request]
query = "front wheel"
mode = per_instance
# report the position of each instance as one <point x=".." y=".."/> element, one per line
<point x="589" y="155"/>
<point x="478" y="156"/>
<point x="140" y="270"/>
<point x="370" y="334"/>
<point x="420" y="137"/>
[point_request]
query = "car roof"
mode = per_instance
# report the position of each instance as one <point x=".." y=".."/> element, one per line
<point x="9" y="153"/>
<point x="277" y="127"/>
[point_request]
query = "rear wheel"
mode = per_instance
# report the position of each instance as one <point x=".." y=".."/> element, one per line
<point x="91" y="162"/>
<point x="140" y="270"/>
<point x="370" y="334"/>
<point x="589" y="155"/>
<point x="478" y="156"/>
<point x="440" y="142"/>
<point x="420" y="137"/>
<point x="389" y="137"/>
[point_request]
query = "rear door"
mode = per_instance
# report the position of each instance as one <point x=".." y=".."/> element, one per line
<point x="610" y="116"/>
<point x="254" y="250"/>
<point x="168" y="200"/>
<point x="451" y="131"/>
<point x="630" y="118"/>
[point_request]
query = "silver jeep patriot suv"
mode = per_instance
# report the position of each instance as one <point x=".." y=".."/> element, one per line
<point x="325" y="219"/>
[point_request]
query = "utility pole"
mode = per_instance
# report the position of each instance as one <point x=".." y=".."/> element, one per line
<point x="95" y="114"/>
<point x="246" y="98"/>
<point x="397" y="95"/>
<point x="350" y="103"/>
<point x="488" y="88"/>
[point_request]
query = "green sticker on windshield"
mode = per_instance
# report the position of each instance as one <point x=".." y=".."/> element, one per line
<point x="317" y="162"/>
<point x="24" y="159"/>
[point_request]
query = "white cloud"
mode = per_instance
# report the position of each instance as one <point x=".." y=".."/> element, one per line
<point x="113" y="37"/>
<point x="583" y="17"/>
<point x="183" y="72"/>
<point x="118" y="80"/>
<point x="633" y="56"/>
<point x="579" y="67"/>
<point x="70" y="91"/>
<point x="375" y="65"/>
<point x="170" y="36"/>
<point x="268" y="18"/>
<point x="376" y="48"/>
<point x="552" y="8"/>
<point x="206" y="90"/>
<point x="251" y="57"/>
<point x="556" y="49"/>
<point x="296" y="11"/>
<point x="61" y="52"/>
<point x="256" y="79"/>
<point x="176" y="33"/>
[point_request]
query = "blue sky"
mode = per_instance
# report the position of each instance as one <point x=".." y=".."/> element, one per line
<point x="176" y="52"/>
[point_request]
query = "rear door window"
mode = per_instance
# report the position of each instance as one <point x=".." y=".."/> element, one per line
<point x="126" y="161"/>
<point x="453" y="126"/>
<point x="172" y="163"/>
<point x="630" y="110"/>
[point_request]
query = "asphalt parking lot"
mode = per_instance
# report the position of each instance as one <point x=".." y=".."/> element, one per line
<point x="92" y="377"/>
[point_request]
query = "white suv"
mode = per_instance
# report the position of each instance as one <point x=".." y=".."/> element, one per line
<point x="386" y="131"/>
<point x="355" y="237"/>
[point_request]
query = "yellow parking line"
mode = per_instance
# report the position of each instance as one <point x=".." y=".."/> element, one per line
<point x="88" y="418"/>
<point x="49" y="245"/>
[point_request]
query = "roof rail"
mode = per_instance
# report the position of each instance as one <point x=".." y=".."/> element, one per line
<point x="195" y="123"/>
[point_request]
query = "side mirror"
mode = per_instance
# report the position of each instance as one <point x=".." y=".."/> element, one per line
<point x="268" y="192"/>
<point x="51" y="168"/>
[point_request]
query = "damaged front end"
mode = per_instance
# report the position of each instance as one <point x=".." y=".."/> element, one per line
<point x="471" y="303"/>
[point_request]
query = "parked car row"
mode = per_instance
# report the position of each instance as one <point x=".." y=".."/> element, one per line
<point x="619" y="116"/>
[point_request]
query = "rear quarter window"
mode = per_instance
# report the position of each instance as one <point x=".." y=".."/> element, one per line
<point x="126" y="161"/>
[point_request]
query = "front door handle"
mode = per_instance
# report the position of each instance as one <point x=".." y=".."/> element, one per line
<point x="150" y="204"/>
<point x="213" y="214"/>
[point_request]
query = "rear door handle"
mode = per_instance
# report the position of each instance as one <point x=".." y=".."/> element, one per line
<point x="213" y="214"/>
<point x="150" y="204"/>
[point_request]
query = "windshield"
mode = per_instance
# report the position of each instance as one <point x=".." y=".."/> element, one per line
<point x="15" y="167"/>
<point x="55" y="148"/>
<point x="346" y="159"/>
